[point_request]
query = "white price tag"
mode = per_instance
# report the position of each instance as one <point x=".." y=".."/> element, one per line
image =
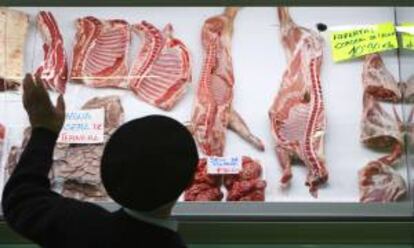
<point x="83" y="127"/>
<point x="224" y="165"/>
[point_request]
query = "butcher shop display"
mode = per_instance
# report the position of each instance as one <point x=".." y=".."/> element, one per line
<point x="162" y="68"/>
<point x="247" y="185"/>
<point x="54" y="69"/>
<point x="212" y="111"/>
<point x="297" y="114"/>
<point x="344" y="130"/>
<point x="100" y="53"/>
<point x="13" y="31"/>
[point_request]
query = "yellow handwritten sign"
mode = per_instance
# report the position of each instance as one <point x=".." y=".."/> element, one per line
<point x="407" y="39"/>
<point x="353" y="43"/>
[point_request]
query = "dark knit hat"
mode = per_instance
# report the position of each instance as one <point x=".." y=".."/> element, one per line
<point x="148" y="162"/>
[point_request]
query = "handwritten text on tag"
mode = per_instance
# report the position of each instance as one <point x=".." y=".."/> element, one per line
<point x="83" y="127"/>
<point x="353" y="43"/>
<point x="224" y="165"/>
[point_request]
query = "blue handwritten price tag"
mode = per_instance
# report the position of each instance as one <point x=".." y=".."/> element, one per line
<point x="83" y="127"/>
<point x="224" y="165"/>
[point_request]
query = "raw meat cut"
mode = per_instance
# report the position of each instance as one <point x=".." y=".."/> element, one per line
<point x="381" y="131"/>
<point x="378" y="81"/>
<point x="247" y="185"/>
<point x="13" y="30"/>
<point x="54" y="68"/>
<point x="162" y="69"/>
<point x="297" y="114"/>
<point x="379" y="182"/>
<point x="213" y="112"/>
<point x="101" y="52"/>
<point x="204" y="187"/>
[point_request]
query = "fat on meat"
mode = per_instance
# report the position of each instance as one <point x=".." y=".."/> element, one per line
<point x="54" y="69"/>
<point x="378" y="81"/>
<point x="100" y="53"/>
<point x="162" y="69"/>
<point x="297" y="115"/>
<point x="13" y="30"/>
<point x="212" y="111"/>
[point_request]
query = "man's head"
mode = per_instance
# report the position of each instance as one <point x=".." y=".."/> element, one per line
<point x="148" y="162"/>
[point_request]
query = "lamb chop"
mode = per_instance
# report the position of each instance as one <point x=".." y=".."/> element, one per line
<point x="213" y="112"/>
<point x="297" y="114"/>
<point x="378" y="81"/>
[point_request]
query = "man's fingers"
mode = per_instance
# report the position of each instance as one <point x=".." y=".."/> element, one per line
<point x="28" y="86"/>
<point x="60" y="105"/>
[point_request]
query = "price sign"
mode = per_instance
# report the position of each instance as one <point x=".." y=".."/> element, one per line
<point x="406" y="38"/>
<point x="83" y="127"/>
<point x="224" y="165"/>
<point x="353" y="43"/>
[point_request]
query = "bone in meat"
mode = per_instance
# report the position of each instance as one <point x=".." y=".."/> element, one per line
<point x="13" y="30"/>
<point x="379" y="182"/>
<point x="162" y="69"/>
<point x="213" y="112"/>
<point x="378" y="80"/>
<point x="379" y="130"/>
<point x="100" y="52"/>
<point x="297" y="115"/>
<point x="54" y="69"/>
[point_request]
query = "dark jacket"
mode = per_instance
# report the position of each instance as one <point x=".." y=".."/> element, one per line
<point x="47" y="218"/>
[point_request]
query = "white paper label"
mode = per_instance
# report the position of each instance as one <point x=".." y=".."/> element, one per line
<point x="83" y="127"/>
<point x="224" y="165"/>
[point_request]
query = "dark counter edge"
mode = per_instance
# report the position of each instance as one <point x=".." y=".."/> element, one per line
<point x="293" y="223"/>
<point x="207" y="3"/>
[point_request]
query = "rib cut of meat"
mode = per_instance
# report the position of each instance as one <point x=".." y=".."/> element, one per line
<point x="379" y="182"/>
<point x="54" y="69"/>
<point x="13" y="30"/>
<point x="247" y="185"/>
<point x="204" y="187"/>
<point x="213" y="112"/>
<point x="101" y="52"/>
<point x="297" y="115"/>
<point x="162" y="69"/>
<point x="378" y="81"/>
